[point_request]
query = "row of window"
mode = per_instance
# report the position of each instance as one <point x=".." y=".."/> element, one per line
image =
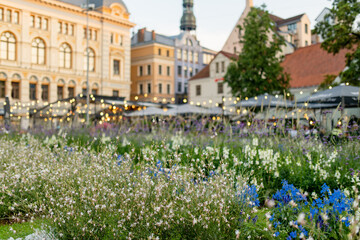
<point x="9" y="15"/>
<point x="148" y="68"/>
<point x="39" y="22"/>
<point x="117" y="39"/>
<point x="66" y="28"/>
<point x="188" y="55"/>
<point x="186" y="72"/>
<point x="38" y="53"/>
<point x="160" y="88"/>
<point x="217" y="67"/>
<point x="220" y="89"/>
<point x="92" y="34"/>
<point x="160" y="52"/>
<point x="293" y="26"/>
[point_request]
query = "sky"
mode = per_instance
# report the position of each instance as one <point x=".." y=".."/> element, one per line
<point x="215" y="18"/>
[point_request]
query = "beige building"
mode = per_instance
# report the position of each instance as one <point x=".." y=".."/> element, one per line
<point x="43" y="49"/>
<point x="152" y="67"/>
<point x="207" y="88"/>
<point x="295" y="30"/>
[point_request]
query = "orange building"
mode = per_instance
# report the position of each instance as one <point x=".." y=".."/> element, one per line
<point x="152" y="68"/>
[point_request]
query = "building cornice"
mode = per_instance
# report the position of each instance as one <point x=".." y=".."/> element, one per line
<point x="80" y="11"/>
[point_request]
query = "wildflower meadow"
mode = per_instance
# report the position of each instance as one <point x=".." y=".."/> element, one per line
<point x="157" y="180"/>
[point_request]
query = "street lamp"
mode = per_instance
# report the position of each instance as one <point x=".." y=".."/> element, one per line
<point x="87" y="7"/>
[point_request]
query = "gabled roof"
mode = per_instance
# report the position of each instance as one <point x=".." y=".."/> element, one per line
<point x="205" y="72"/>
<point x="308" y="66"/>
<point x="289" y="20"/>
<point x="275" y="18"/>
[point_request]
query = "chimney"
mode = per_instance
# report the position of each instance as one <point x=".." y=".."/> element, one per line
<point x="249" y="3"/>
<point x="141" y="35"/>
<point x="153" y="35"/>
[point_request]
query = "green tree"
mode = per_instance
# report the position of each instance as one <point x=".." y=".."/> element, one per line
<point x="257" y="69"/>
<point x="338" y="33"/>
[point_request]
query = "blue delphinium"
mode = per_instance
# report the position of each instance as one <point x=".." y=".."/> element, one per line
<point x="324" y="215"/>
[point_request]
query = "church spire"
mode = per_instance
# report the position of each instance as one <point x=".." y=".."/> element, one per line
<point x="188" y="20"/>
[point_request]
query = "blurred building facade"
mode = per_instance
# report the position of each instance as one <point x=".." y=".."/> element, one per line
<point x="43" y="49"/>
<point x="189" y="57"/>
<point x="295" y="30"/>
<point x="207" y="88"/>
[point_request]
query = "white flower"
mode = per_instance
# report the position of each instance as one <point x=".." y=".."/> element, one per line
<point x="301" y="218"/>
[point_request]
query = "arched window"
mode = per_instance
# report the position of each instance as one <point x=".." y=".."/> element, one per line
<point x="38" y="51"/>
<point x="91" y="60"/>
<point x="65" y="55"/>
<point x="7" y="46"/>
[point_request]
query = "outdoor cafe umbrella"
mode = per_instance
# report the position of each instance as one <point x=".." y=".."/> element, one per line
<point x="272" y="113"/>
<point x="186" y="109"/>
<point x="347" y="95"/>
<point x="150" y="111"/>
<point x="219" y="111"/>
<point x="264" y="100"/>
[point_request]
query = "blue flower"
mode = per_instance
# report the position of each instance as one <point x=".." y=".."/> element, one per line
<point x="277" y="234"/>
<point x="293" y="234"/>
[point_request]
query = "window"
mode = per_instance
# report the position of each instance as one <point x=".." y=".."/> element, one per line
<point x="191" y="72"/>
<point x="60" y="92"/>
<point x="196" y="71"/>
<point x="179" y="71"/>
<point x="71" y="91"/>
<point x="32" y="91"/>
<point x="185" y="72"/>
<point x="160" y="88"/>
<point x="91" y="60"/>
<point x="65" y="28"/>
<point x="168" y="89"/>
<point x="179" y="87"/>
<point x="65" y="56"/>
<point x="179" y="54"/>
<point x="16" y="17"/>
<point x="121" y="40"/>
<point x="95" y="35"/>
<point x="141" y="71"/>
<point x="149" y="88"/>
<point x="1" y="14"/>
<point x="292" y="27"/>
<point x="186" y="55"/>
<point x="306" y="43"/>
<point x="2" y="89"/>
<point x="84" y="91"/>
<point x="15" y="90"/>
<point x="240" y="33"/>
<point x="306" y="28"/>
<point x="234" y="49"/>
<point x="38" y="51"/>
<point x="112" y="38"/>
<point x="32" y="21"/>
<point x="45" y="92"/>
<point x="60" y="27"/>
<point x="116" y="66"/>
<point x="196" y="56"/>
<point x="198" y="90"/>
<point x="141" y="89"/>
<point x="217" y="67"/>
<point x="90" y="34"/>
<point x="38" y="23"/>
<point x="7" y="46"/>
<point x="222" y="66"/>
<point x="8" y="16"/>
<point x="71" y="30"/>
<point x="160" y="70"/>
<point x="45" y="24"/>
<point x="94" y="91"/>
<point x="149" y="69"/>
<point x="191" y="58"/>
<point x="186" y="88"/>
<point x="220" y="88"/>
<point x="159" y="52"/>
<point x="168" y="53"/>
<point x="115" y="93"/>
<point x="168" y="71"/>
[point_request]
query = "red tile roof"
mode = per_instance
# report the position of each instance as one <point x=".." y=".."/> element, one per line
<point x="308" y="66"/>
<point x="205" y="72"/>
<point x="289" y="20"/>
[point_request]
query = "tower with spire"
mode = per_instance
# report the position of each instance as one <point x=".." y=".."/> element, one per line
<point x="188" y="20"/>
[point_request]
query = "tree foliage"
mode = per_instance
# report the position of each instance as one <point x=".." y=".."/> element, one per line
<point x="338" y="33"/>
<point x="257" y="69"/>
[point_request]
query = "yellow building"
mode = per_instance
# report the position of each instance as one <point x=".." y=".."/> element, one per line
<point x="43" y="49"/>
<point x="152" y="67"/>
